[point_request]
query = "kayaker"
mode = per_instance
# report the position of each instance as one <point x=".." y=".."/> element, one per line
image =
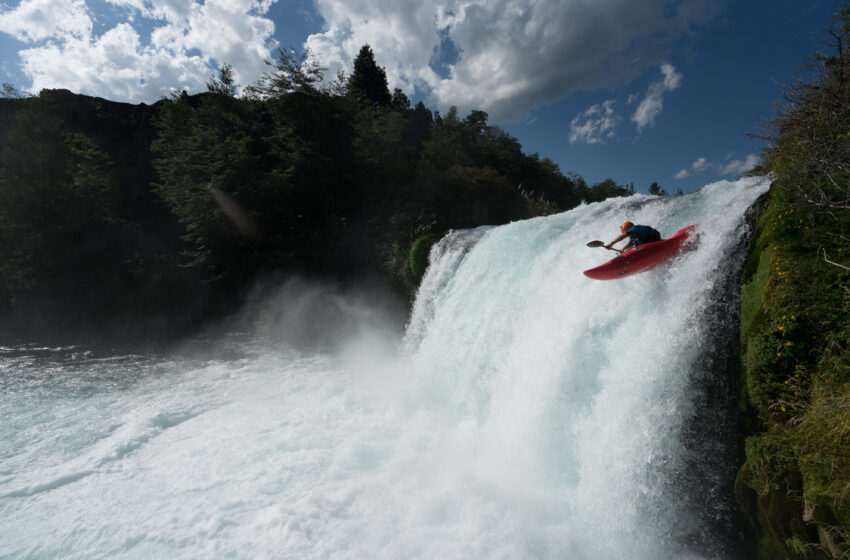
<point x="638" y="235"/>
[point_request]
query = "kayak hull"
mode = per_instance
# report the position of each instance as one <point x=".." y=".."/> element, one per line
<point x="643" y="257"/>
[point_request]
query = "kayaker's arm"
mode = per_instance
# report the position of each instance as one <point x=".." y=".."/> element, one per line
<point x="617" y="240"/>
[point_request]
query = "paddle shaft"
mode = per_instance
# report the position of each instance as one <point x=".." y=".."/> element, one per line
<point x="598" y="243"/>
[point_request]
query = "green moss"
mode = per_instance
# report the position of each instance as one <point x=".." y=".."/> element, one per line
<point x="417" y="260"/>
<point x="752" y="310"/>
<point x="415" y="263"/>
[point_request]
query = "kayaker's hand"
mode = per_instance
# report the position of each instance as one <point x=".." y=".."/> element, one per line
<point x="608" y="246"/>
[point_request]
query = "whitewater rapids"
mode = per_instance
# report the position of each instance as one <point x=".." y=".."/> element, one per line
<point x="524" y="412"/>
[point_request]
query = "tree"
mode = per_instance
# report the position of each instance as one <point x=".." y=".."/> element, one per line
<point x="400" y="101"/>
<point x="446" y="146"/>
<point x="292" y="72"/>
<point x="58" y="199"/>
<point x="810" y="146"/>
<point x="209" y="152"/>
<point x="225" y="83"/>
<point x="379" y="146"/>
<point x="10" y="92"/>
<point x="368" y="82"/>
<point x="607" y="189"/>
<point x="656" y="190"/>
<point x="420" y="122"/>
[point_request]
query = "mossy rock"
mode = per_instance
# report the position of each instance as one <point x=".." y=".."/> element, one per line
<point x="417" y="259"/>
<point x="780" y="514"/>
<point x="413" y="267"/>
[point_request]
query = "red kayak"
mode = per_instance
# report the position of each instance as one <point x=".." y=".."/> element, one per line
<point x="643" y="257"/>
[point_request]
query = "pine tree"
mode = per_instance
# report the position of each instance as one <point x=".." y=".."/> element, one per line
<point x="368" y="83"/>
<point x="400" y="102"/>
<point x="656" y="190"/>
<point x="224" y="83"/>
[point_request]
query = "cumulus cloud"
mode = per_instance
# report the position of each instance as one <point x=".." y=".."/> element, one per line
<point x="36" y="20"/>
<point x="502" y="56"/>
<point x="738" y="166"/>
<point x="189" y="41"/>
<point x="652" y="104"/>
<point x="732" y="167"/>
<point x="595" y="124"/>
<point x="512" y="55"/>
<point x="698" y="166"/>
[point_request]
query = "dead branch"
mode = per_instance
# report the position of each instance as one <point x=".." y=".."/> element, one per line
<point x="829" y="261"/>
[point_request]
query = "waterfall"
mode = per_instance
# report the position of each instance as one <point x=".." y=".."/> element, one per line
<point x="591" y="393"/>
<point x="530" y="412"/>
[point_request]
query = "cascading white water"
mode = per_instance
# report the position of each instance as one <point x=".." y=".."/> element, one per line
<point x="533" y="413"/>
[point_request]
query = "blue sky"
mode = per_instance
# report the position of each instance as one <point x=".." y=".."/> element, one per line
<point x="656" y="90"/>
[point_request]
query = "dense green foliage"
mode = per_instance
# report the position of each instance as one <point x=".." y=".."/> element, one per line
<point x="796" y="322"/>
<point x="126" y="211"/>
<point x="58" y="197"/>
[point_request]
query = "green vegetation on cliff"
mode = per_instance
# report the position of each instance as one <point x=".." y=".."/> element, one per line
<point x="795" y="323"/>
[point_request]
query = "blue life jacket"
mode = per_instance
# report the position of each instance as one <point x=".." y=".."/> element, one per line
<point x="642" y="234"/>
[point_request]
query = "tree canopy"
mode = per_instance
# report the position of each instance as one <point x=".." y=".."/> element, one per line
<point x="290" y="173"/>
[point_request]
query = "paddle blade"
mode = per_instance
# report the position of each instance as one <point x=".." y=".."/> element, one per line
<point x="596" y="244"/>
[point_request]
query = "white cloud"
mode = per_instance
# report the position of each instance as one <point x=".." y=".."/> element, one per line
<point x="114" y="66"/>
<point x="737" y="166"/>
<point x="699" y="165"/>
<point x="36" y="20"/>
<point x="513" y="54"/>
<point x="733" y="167"/>
<point x="189" y="40"/>
<point x="652" y="104"/>
<point x="595" y="124"/>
